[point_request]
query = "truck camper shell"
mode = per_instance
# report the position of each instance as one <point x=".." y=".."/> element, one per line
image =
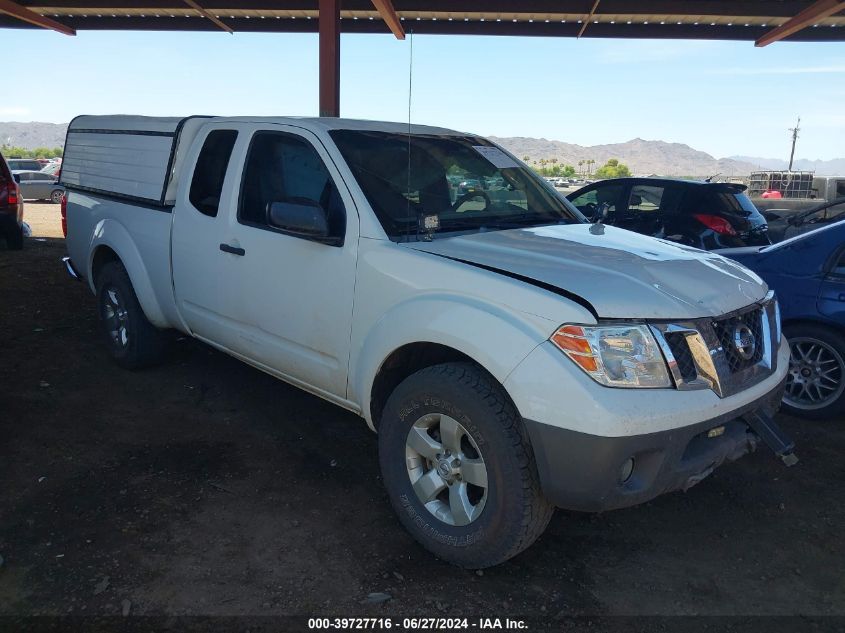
<point x="135" y="158"/>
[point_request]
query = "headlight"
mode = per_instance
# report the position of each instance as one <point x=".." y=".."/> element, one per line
<point x="615" y="355"/>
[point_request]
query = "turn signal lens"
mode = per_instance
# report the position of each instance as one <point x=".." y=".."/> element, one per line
<point x="571" y="340"/>
<point x="615" y="355"/>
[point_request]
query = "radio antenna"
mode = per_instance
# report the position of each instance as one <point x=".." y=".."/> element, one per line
<point x="410" y="90"/>
<point x="794" y="131"/>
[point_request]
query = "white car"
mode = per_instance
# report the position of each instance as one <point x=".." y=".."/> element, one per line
<point x="511" y="357"/>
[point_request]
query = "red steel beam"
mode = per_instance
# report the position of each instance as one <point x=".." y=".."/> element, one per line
<point x="329" y="27"/>
<point x="207" y="14"/>
<point x="815" y="12"/>
<point x="22" y="13"/>
<point x="388" y="14"/>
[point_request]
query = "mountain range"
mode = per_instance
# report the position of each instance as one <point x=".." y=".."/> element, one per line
<point x="653" y="157"/>
<point x="32" y="135"/>
<point x="642" y="157"/>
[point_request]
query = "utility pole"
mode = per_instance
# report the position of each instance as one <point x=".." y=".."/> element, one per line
<point x="794" y="131"/>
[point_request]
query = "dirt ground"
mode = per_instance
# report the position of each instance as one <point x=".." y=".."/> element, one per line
<point x="205" y="487"/>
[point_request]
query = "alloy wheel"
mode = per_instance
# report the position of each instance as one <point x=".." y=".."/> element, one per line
<point x="446" y="469"/>
<point x="116" y="317"/>
<point x="815" y="377"/>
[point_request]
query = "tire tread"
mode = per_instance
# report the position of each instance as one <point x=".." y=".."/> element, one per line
<point x="536" y="510"/>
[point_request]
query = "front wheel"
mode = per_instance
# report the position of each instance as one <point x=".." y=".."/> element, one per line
<point x="56" y="196"/>
<point x="459" y="468"/>
<point x="133" y="341"/>
<point x="815" y="386"/>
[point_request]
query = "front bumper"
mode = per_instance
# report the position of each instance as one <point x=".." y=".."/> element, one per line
<point x="584" y="472"/>
<point x="583" y="434"/>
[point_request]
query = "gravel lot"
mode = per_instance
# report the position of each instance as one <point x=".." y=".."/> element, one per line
<point x="205" y="487"/>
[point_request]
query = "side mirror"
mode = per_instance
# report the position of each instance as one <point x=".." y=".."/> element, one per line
<point x="303" y="218"/>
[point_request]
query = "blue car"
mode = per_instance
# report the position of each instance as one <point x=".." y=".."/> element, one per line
<point x="808" y="274"/>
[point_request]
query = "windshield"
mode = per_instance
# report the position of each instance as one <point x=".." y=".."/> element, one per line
<point x="427" y="184"/>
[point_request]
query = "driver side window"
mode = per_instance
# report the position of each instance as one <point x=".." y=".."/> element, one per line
<point x="588" y="202"/>
<point x="281" y="168"/>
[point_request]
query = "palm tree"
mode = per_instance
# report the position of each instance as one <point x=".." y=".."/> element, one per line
<point x="580" y="167"/>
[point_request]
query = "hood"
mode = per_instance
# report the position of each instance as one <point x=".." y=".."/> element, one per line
<point x="623" y="275"/>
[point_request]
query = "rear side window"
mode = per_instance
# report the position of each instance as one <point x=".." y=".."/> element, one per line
<point x="207" y="184"/>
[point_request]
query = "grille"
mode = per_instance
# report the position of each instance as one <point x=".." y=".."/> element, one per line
<point x="677" y="342"/>
<point x="726" y="330"/>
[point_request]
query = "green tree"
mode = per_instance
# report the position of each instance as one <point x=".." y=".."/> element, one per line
<point x="613" y="169"/>
<point x="10" y="151"/>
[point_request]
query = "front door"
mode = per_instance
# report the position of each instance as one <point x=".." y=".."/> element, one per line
<point x="280" y="300"/>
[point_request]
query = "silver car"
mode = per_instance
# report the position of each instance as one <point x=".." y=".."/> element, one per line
<point x="37" y="185"/>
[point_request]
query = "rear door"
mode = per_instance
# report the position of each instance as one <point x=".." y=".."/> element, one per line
<point x="200" y="225"/>
<point x="281" y="301"/>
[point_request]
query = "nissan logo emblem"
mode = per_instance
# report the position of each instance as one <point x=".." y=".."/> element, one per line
<point x="744" y="341"/>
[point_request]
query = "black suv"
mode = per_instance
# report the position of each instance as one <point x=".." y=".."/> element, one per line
<point x="706" y="215"/>
<point x="11" y="208"/>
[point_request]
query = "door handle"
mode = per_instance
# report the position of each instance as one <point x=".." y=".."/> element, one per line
<point x="234" y="250"/>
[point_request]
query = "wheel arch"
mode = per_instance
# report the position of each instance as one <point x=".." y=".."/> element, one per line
<point x="113" y="243"/>
<point x="404" y="362"/>
<point x="429" y="330"/>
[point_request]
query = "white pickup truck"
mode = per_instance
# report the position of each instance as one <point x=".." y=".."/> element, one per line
<point x="511" y="356"/>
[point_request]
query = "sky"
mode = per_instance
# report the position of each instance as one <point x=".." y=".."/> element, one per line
<point x="724" y="98"/>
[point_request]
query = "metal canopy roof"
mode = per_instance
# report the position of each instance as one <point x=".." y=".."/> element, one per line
<point x="751" y="20"/>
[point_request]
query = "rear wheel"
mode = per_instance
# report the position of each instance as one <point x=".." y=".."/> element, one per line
<point x="56" y="196"/>
<point x="133" y="341"/>
<point x="815" y="386"/>
<point x="459" y="468"/>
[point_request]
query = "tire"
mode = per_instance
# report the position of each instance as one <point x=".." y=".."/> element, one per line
<point x="14" y="239"/>
<point x="815" y="387"/>
<point x="463" y="401"/>
<point x="133" y="341"/>
<point x="56" y="196"/>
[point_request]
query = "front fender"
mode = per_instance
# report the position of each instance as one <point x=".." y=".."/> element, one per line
<point x="110" y="233"/>
<point x="495" y="337"/>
